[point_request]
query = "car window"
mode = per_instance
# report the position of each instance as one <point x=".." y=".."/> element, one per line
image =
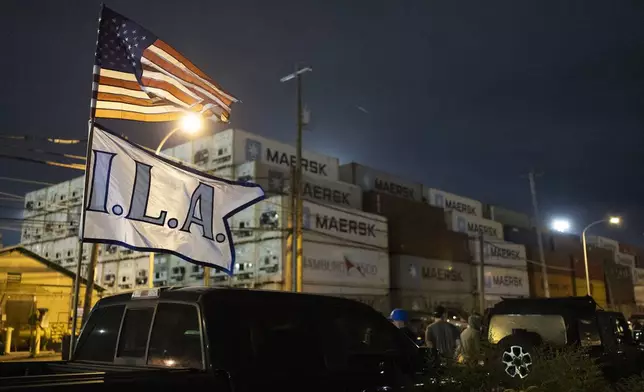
<point x="353" y="336"/>
<point x="285" y="339"/>
<point x="98" y="340"/>
<point x="622" y="331"/>
<point x="551" y="328"/>
<point x="176" y="337"/>
<point x="589" y="333"/>
<point x="134" y="333"/>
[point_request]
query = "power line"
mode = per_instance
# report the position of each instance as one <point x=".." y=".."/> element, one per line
<point x="26" y="181"/>
<point x="46" y="139"/>
<point x="76" y="166"/>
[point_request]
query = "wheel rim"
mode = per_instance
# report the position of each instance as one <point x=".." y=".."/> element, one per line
<point x="517" y="362"/>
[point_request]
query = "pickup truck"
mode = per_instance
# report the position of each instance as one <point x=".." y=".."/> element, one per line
<point x="226" y="340"/>
<point x="519" y="326"/>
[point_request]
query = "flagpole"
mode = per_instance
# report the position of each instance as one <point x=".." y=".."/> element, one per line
<point x="81" y="228"/>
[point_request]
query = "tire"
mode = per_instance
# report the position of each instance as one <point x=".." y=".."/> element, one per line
<point x="515" y="358"/>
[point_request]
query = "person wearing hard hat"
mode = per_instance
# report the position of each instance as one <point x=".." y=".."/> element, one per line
<point x="400" y="319"/>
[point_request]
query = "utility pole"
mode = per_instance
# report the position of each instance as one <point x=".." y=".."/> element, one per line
<point x="537" y="223"/>
<point x="291" y="248"/>
<point x="297" y="181"/>
<point x="89" y="288"/>
<point x="481" y="275"/>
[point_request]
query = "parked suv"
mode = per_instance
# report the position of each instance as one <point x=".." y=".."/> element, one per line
<point x="518" y="326"/>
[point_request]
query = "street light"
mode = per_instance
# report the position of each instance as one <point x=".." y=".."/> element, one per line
<point x="613" y="220"/>
<point x="561" y="225"/>
<point x="190" y="123"/>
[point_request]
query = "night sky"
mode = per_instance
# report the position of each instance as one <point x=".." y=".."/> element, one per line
<point x="464" y="96"/>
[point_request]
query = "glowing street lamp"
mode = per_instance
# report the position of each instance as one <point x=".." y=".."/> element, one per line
<point x="561" y="225"/>
<point x="191" y="123"/>
<point x="613" y="220"/>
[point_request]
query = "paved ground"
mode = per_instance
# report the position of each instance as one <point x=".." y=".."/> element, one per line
<point x="23" y="356"/>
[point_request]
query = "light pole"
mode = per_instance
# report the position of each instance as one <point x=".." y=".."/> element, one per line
<point x="190" y="123"/>
<point x="613" y="220"/>
<point x="298" y="221"/>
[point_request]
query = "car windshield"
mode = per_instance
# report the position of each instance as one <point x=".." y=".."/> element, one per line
<point x="551" y="328"/>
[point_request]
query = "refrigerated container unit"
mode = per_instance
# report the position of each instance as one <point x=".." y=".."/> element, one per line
<point x="499" y="253"/>
<point x="451" y="202"/>
<point x="474" y="226"/>
<point x="420" y="284"/>
<point x="234" y="146"/>
<point x="277" y="181"/>
<point x="375" y="180"/>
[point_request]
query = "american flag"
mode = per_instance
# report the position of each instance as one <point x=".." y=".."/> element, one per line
<point x="139" y="77"/>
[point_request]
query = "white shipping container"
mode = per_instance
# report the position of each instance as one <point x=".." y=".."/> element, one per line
<point x="474" y="226"/>
<point x="76" y="187"/>
<point x="417" y="273"/>
<point x="269" y="219"/>
<point x="275" y="180"/>
<point x="328" y="264"/>
<point x="603" y="242"/>
<point x="110" y="272"/>
<point x="452" y="202"/>
<point x="625" y="259"/>
<point x="335" y="223"/>
<point x="506" y="282"/>
<point x="234" y="147"/>
<point x="125" y="275"/>
<point x="373" y="180"/>
<point x="638" y="276"/>
<point x="499" y="253"/>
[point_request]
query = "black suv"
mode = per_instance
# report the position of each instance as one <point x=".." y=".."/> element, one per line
<point x="518" y="326"/>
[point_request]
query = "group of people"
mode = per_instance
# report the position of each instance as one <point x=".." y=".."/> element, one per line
<point x="444" y="337"/>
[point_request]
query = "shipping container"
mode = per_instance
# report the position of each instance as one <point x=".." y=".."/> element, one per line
<point x="474" y="226"/>
<point x="161" y="269"/>
<point x="268" y="219"/>
<point x="404" y="214"/>
<point x="619" y="284"/>
<point x="417" y="273"/>
<point x="432" y="244"/>
<point x="625" y="259"/>
<point x="639" y="296"/>
<point x="508" y="217"/>
<point x="277" y="181"/>
<point x="451" y="202"/>
<point x="510" y="282"/>
<point x="76" y="187"/>
<point x="559" y="284"/>
<point x="602" y="242"/>
<point x="233" y="147"/>
<point x="110" y="273"/>
<point x="638" y="276"/>
<point x="125" y="276"/>
<point x="374" y="180"/>
<point x="596" y="259"/>
<point x="57" y="196"/>
<point x="597" y="290"/>
<point x="499" y="253"/>
<point x="350" y="268"/>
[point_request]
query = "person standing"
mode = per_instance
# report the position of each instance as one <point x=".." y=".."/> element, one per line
<point x="469" y="350"/>
<point x="441" y="335"/>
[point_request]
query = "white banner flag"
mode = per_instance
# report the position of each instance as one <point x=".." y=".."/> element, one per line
<point x="145" y="202"/>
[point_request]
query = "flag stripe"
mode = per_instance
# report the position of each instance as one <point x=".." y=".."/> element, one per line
<point x="150" y="73"/>
<point x="198" y="90"/>
<point x="120" y="98"/>
<point x="125" y="115"/>
<point x="137" y="108"/>
<point x="172" y="55"/>
<point x="112" y="90"/>
<point x="180" y="72"/>
<point x="108" y="73"/>
<point x="133" y="89"/>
